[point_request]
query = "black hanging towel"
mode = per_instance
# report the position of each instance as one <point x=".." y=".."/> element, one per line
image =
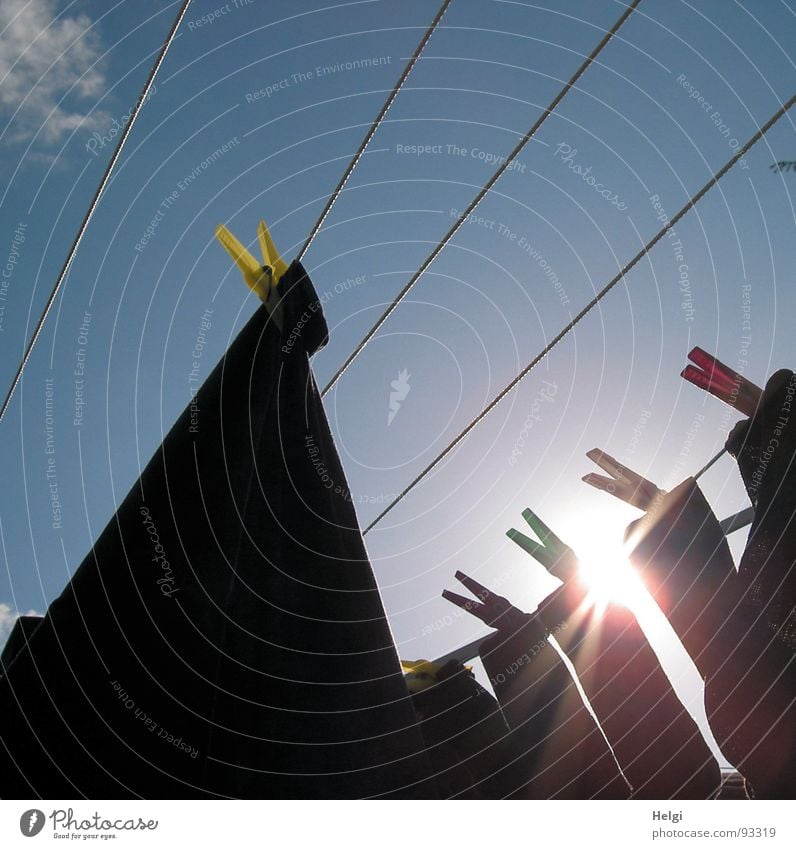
<point x="21" y="632"/>
<point x="683" y="558"/>
<point x="225" y="635"/>
<point x="561" y="753"/>
<point x="656" y="741"/>
<point x="749" y="696"/>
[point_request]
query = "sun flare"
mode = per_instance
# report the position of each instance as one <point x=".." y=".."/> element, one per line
<point x="603" y="563"/>
<point x="610" y="579"/>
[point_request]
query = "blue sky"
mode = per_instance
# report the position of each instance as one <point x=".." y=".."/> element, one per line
<point x="255" y="114"/>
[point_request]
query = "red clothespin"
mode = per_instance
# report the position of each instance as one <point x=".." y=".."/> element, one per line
<point x="491" y="609"/>
<point x="722" y="382"/>
<point x="623" y="483"/>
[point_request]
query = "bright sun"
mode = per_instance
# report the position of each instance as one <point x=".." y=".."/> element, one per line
<point x="610" y="579"/>
<point x="603" y="562"/>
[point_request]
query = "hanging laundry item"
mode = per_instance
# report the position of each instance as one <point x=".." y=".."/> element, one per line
<point x="681" y="554"/>
<point x="656" y="742"/>
<point x="225" y="636"/>
<point x="765" y="448"/>
<point x="683" y="558"/>
<point x="733" y="787"/>
<point x="749" y="698"/>
<point x="20" y="634"/>
<point x="466" y="736"/>
<point x="559" y="752"/>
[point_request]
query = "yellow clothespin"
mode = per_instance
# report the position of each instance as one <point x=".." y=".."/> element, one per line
<point x="422" y="674"/>
<point x="261" y="278"/>
<point x="419" y="674"/>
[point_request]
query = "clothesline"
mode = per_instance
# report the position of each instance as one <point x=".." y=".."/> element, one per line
<point x="142" y="99"/>
<point x="372" y="131"/>
<point x="126" y="132"/>
<point x="693" y="200"/>
<point x="465" y="215"/>
<point x="441" y="245"/>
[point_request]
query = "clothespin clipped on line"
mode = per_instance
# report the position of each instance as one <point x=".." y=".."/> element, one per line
<point x="633" y="489"/>
<point x="623" y="483"/>
<point x="462" y="653"/>
<point x="261" y="278"/>
<point x="494" y="610"/>
<point x="722" y="382"/>
<point x="557" y="557"/>
<point x="419" y="674"/>
<point x="491" y="609"/>
<point x="422" y="674"/>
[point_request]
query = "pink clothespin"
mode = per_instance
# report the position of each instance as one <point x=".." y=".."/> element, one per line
<point x="722" y="382"/>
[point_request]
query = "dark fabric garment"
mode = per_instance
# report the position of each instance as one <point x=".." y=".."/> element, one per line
<point x="20" y="634"/>
<point x="562" y="754"/>
<point x="765" y="448"/>
<point x="225" y="636"/>
<point x="683" y="558"/>
<point x="749" y="702"/>
<point x="466" y="736"/>
<point x="657" y="743"/>
<point x="750" y="697"/>
<point x="733" y="786"/>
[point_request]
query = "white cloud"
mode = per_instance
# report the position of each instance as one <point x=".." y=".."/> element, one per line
<point x="8" y="616"/>
<point x="31" y="41"/>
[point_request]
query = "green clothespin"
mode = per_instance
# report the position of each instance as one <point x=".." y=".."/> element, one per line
<point x="557" y="557"/>
<point x="261" y="278"/>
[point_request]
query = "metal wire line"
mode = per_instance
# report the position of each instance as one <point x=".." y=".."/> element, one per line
<point x="373" y="129"/>
<point x="481" y="195"/>
<point x="95" y="201"/>
<point x="709" y="463"/>
<point x="594" y="301"/>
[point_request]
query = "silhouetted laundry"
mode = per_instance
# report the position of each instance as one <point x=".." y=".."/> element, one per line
<point x="657" y="743"/>
<point x="563" y="753"/>
<point x="750" y="706"/>
<point x="683" y="558"/>
<point x="750" y="698"/>
<point x="733" y="786"/>
<point x="560" y="754"/>
<point x="225" y="636"/>
<point x="466" y="736"/>
<point x="655" y="740"/>
<point x="20" y="634"/>
<point x="765" y="447"/>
